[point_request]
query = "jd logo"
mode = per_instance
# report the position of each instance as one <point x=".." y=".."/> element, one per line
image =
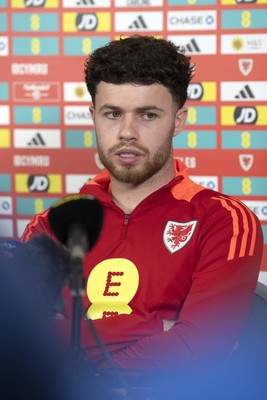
<point x="195" y="91"/>
<point x="245" y="115"/>
<point x="34" y="3"/>
<point x="245" y="1"/>
<point x="86" y="22"/>
<point x="38" y="183"/>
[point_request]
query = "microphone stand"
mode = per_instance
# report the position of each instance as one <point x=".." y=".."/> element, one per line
<point x="78" y="245"/>
<point x="77" y="284"/>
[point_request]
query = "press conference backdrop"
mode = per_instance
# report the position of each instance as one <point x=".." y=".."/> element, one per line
<point x="47" y="140"/>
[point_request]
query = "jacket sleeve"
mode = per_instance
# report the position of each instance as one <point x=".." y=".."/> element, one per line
<point x="37" y="226"/>
<point x="220" y="298"/>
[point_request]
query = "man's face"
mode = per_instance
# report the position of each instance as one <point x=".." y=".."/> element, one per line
<point x="134" y="128"/>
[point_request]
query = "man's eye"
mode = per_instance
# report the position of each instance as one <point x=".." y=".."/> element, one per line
<point x="150" y="116"/>
<point x="113" y="114"/>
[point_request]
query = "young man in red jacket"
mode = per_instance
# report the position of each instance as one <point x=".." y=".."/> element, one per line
<point x="170" y="282"/>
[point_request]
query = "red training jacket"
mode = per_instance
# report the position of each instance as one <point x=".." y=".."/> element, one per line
<point x="185" y="253"/>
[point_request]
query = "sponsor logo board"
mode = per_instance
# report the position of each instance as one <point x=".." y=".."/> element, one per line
<point x="244" y="91"/>
<point x="197" y="44"/>
<point x="258" y="207"/>
<point x="244" y="44"/>
<point x="6" y="205"/>
<point x="29" y="69"/>
<point x="86" y="3"/>
<point x="25" y="183"/>
<point x="74" y="183"/>
<point x="6" y="228"/>
<point x="138" y="21"/>
<point x="209" y="182"/>
<point x="39" y="91"/>
<point x="76" y="91"/>
<point x="77" y="115"/>
<point x="192" y="20"/>
<point x="37" y="138"/>
<point x="5" y="115"/>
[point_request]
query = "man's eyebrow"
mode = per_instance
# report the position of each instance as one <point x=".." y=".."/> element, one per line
<point x="149" y="108"/>
<point x="110" y="107"/>
<point x="143" y="108"/>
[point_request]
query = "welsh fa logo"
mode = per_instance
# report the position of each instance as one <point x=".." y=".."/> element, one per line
<point x="177" y="234"/>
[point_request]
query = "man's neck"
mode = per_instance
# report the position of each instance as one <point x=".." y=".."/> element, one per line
<point x="127" y="196"/>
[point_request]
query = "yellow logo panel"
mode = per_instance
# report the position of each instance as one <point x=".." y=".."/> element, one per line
<point x="210" y="91"/>
<point x="35" y="4"/>
<point x="111" y="286"/>
<point x="25" y="183"/>
<point x="4" y="138"/>
<point x="250" y="115"/>
<point x="126" y="36"/>
<point x="84" y="22"/>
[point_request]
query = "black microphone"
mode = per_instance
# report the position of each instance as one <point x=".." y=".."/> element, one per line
<point x="76" y="222"/>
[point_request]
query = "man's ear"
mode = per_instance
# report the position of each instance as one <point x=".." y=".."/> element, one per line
<point x="180" y="120"/>
<point x="92" y="112"/>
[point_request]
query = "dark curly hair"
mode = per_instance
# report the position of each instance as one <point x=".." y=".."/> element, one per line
<point x="142" y="60"/>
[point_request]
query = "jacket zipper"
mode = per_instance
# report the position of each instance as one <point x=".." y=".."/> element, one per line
<point x="125" y="224"/>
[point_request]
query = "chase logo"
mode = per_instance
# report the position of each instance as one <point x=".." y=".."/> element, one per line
<point x="3" y="46"/>
<point x="34" y="3"/>
<point x="192" y="20"/>
<point x="77" y="115"/>
<point x="38" y="183"/>
<point x="138" y="3"/>
<point x="5" y="205"/>
<point x="205" y="91"/>
<point x="209" y="182"/>
<point x="73" y="22"/>
<point x="231" y="115"/>
<point x="258" y="207"/>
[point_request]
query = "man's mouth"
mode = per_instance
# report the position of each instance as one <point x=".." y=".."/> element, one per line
<point x="128" y="156"/>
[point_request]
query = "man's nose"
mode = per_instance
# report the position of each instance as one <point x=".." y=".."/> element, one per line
<point x="129" y="128"/>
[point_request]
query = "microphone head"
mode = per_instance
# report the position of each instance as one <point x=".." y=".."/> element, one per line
<point x="82" y="209"/>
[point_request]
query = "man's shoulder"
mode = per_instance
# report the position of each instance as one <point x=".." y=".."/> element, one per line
<point x="100" y="181"/>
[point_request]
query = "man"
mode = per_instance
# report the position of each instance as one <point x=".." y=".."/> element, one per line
<point x="171" y="279"/>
